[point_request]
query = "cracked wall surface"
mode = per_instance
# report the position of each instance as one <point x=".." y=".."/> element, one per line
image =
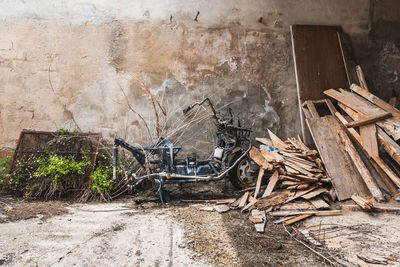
<point x="88" y="64"/>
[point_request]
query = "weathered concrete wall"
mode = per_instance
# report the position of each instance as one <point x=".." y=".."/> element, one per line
<point x="95" y="52"/>
<point x="381" y="59"/>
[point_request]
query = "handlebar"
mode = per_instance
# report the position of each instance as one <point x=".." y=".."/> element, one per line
<point x="186" y="110"/>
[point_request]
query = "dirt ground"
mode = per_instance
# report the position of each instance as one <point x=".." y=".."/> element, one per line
<point x="124" y="233"/>
<point x="356" y="235"/>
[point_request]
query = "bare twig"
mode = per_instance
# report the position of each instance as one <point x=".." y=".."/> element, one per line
<point x="135" y="112"/>
<point x="310" y="248"/>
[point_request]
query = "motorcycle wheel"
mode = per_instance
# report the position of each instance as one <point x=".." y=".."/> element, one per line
<point x="244" y="174"/>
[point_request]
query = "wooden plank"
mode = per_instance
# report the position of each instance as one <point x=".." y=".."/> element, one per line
<point x="362" y="202"/>
<point x="258" y="158"/>
<point x="304" y="166"/>
<point x="296" y="158"/>
<point x="271" y="184"/>
<point x="299" y="193"/>
<point x="318" y="203"/>
<point x="316" y="212"/>
<point x="312" y="109"/>
<point x="290" y="183"/>
<point x="366" y="108"/>
<point x="264" y="141"/>
<point x="318" y="65"/>
<point x="314" y="193"/>
<point x="308" y="165"/>
<point x="249" y="205"/>
<point x="290" y="170"/>
<point x="390" y="146"/>
<point x="274" y="199"/>
<point x="297" y="168"/>
<point x="344" y="59"/>
<point x="355" y="102"/>
<point x="243" y="200"/>
<point x="395" y="179"/>
<point x="331" y="107"/>
<point x="306" y="178"/>
<point x="283" y="219"/>
<point x="345" y="177"/>
<point x="368" y="120"/>
<point x="368" y="139"/>
<point x="375" y="100"/>
<point x="358" y="162"/>
<point x="361" y="78"/>
<point x="297" y="206"/>
<point x="351" y="130"/>
<point x="392" y="176"/>
<point x="276" y="141"/>
<point x="271" y="156"/>
<point x="297" y="218"/>
<point x="259" y="180"/>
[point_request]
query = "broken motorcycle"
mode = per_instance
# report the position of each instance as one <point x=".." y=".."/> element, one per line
<point x="162" y="166"/>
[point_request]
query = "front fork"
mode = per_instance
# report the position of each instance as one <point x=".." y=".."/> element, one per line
<point x="115" y="161"/>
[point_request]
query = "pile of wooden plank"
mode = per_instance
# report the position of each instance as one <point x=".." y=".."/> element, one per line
<point x="369" y="129"/>
<point x="298" y="186"/>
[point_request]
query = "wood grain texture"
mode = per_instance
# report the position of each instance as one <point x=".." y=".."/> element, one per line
<point x="361" y="78"/>
<point x="345" y="177"/>
<point x="376" y="100"/>
<point x="318" y="64"/>
<point x="368" y="120"/>
<point x="390" y="146"/>
<point x="271" y="184"/>
<point x="362" y="169"/>
<point x="368" y="139"/>
<point x="366" y="108"/>
<point x="259" y="180"/>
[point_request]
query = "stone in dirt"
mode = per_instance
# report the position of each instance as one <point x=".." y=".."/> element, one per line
<point x="222" y="208"/>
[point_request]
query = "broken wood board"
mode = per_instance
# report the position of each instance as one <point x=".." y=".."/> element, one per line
<point x="283" y="219"/>
<point x="271" y="184"/>
<point x="216" y="201"/>
<point x="361" y="78"/>
<point x="297" y="219"/>
<point x="345" y="177"/>
<point x="366" y="108"/>
<point x="276" y="141"/>
<point x="259" y="180"/>
<point x="299" y="193"/>
<point x="258" y="158"/>
<point x="390" y="146"/>
<point x="271" y="156"/>
<point x="297" y="168"/>
<point x="368" y="120"/>
<point x="314" y="193"/>
<point x="264" y="141"/>
<point x="362" y="202"/>
<point x="243" y="200"/>
<point x="391" y="174"/>
<point x="375" y="100"/>
<point x="378" y="161"/>
<point x="318" y="203"/>
<point x="318" y="65"/>
<point x="360" y="165"/>
<point x="274" y="199"/>
<point x="297" y="206"/>
<point x="315" y="212"/>
<point x="369" y="139"/>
